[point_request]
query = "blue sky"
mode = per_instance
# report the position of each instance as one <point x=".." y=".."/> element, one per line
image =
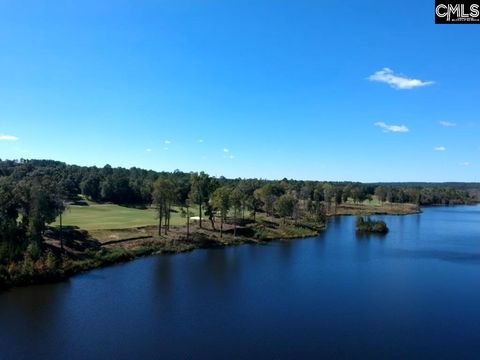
<point x="347" y="90"/>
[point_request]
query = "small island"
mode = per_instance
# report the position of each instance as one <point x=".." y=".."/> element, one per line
<point x="57" y="220"/>
<point x="365" y="224"/>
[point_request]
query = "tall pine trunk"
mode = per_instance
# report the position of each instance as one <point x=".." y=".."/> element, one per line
<point x="169" y="215"/>
<point x="165" y="227"/>
<point x="160" y="215"/>
<point x="221" y="225"/>
<point x="188" y="224"/>
<point x="235" y="223"/>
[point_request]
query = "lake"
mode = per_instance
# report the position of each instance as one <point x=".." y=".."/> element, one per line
<point x="412" y="294"/>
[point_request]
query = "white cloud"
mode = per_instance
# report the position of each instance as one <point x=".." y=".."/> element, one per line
<point x="440" y="148"/>
<point x="167" y="142"/>
<point x="465" y="163"/>
<point x="200" y="141"/>
<point x="148" y="150"/>
<point x="447" y="123"/>
<point x="391" y="128"/>
<point x="8" y="138"/>
<point x="226" y="150"/>
<point x="387" y="75"/>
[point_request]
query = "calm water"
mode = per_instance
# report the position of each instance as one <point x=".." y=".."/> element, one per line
<point x="414" y="293"/>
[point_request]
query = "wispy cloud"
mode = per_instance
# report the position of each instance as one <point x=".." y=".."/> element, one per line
<point x="200" y="141"/>
<point x="148" y="150"/>
<point x="391" y="128"/>
<point x="228" y="155"/>
<point x="167" y="142"/>
<point x="226" y="150"/>
<point x="8" y="138"/>
<point x="440" y="148"/>
<point x="387" y="76"/>
<point x="465" y="163"/>
<point x="447" y="123"/>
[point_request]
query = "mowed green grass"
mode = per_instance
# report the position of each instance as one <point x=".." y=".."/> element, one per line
<point x="109" y="216"/>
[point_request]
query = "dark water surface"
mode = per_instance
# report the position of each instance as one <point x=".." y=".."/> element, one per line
<point x="413" y="294"/>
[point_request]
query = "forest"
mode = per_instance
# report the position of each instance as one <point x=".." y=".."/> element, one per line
<point x="33" y="193"/>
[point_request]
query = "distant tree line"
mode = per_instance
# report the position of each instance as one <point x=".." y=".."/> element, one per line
<point x="34" y="192"/>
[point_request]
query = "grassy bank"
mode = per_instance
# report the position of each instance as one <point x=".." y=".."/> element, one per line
<point x="84" y="252"/>
<point x="96" y="235"/>
<point x="374" y="208"/>
<point x="100" y="219"/>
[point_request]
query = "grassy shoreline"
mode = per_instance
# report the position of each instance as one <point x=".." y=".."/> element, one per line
<point x="376" y="209"/>
<point x="88" y="250"/>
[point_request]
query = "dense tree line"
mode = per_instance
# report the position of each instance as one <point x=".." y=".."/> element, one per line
<point x="34" y="192"/>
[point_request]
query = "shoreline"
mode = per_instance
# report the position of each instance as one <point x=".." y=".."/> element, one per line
<point x="98" y="254"/>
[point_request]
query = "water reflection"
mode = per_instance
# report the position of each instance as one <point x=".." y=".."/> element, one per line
<point x="163" y="277"/>
<point x="337" y="220"/>
<point x="362" y="236"/>
<point x="286" y="250"/>
<point x="338" y="295"/>
<point x="33" y="320"/>
<point x="221" y="265"/>
<point x="446" y="255"/>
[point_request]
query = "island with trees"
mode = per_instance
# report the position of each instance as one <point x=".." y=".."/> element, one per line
<point x="58" y="219"/>
<point x="367" y="225"/>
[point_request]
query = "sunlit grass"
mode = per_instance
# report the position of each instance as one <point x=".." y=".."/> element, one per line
<point x="110" y="216"/>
